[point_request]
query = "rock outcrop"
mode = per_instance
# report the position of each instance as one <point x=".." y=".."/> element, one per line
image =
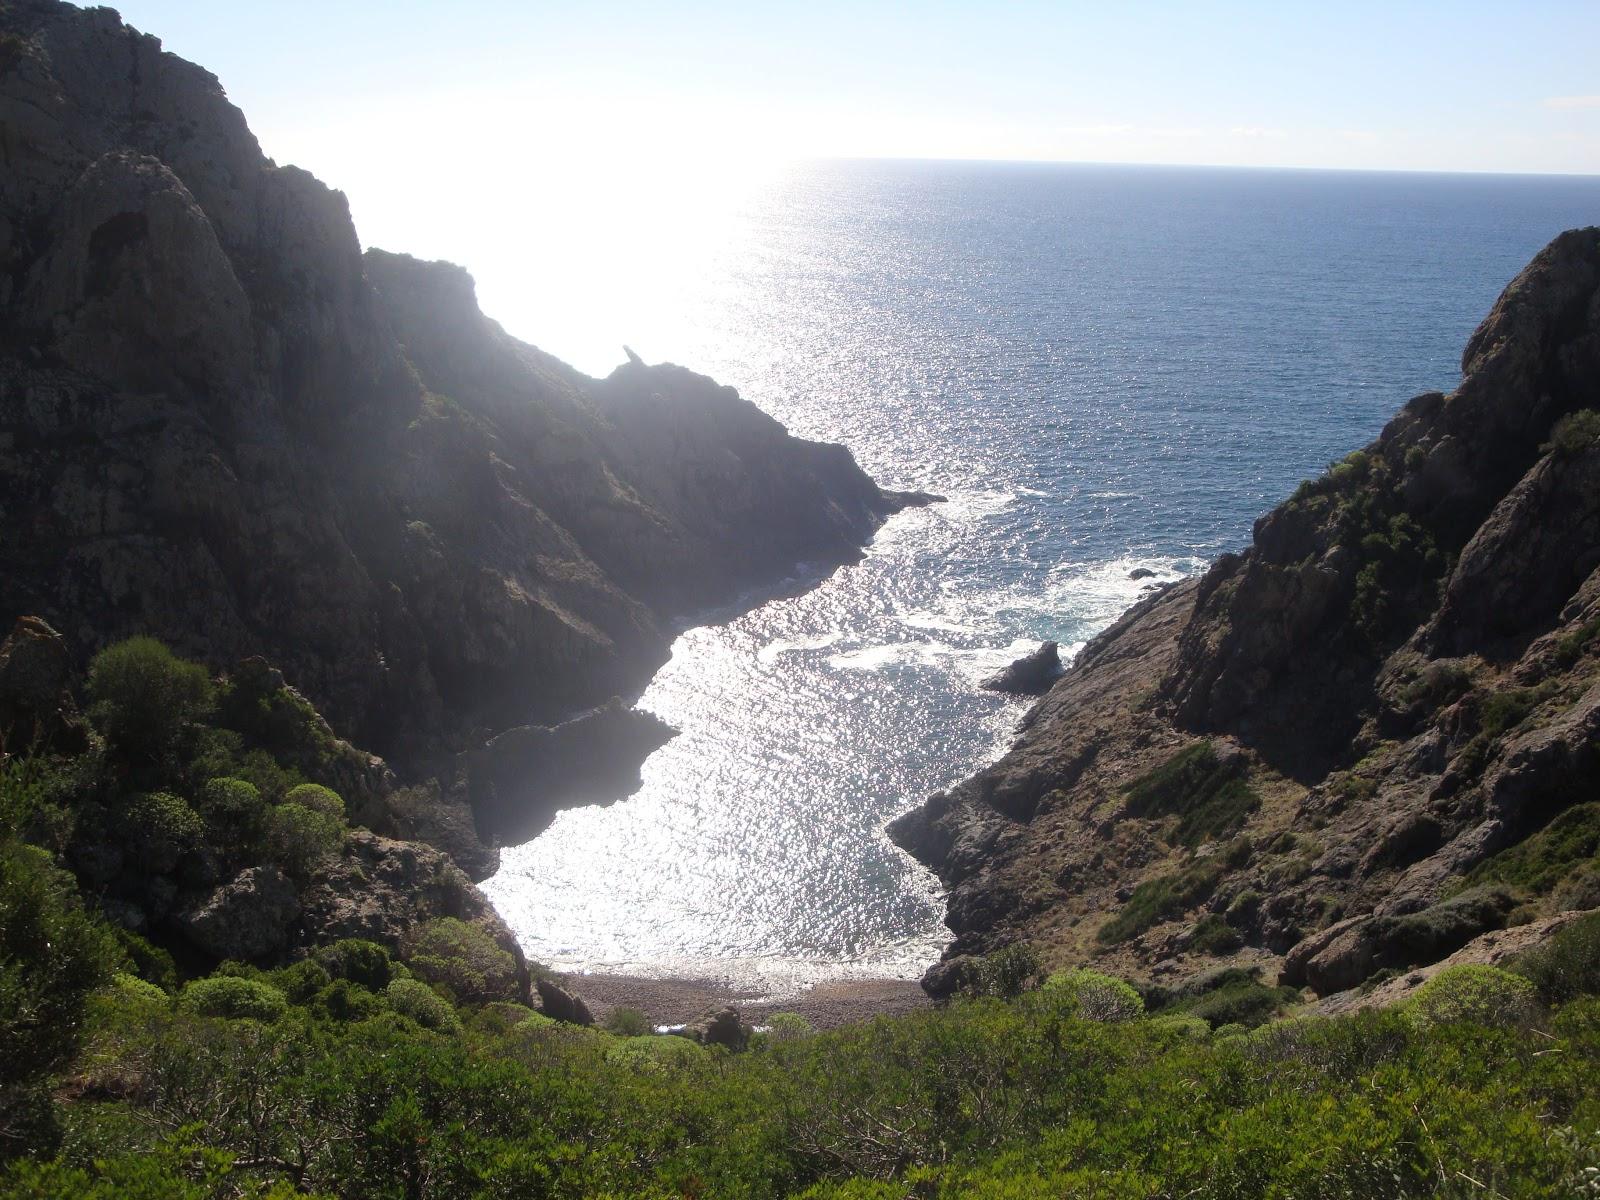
<point x="224" y="425"/>
<point x="1030" y="675"/>
<point x="1401" y="676"/>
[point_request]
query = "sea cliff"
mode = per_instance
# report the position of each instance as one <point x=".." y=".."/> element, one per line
<point x="1363" y="745"/>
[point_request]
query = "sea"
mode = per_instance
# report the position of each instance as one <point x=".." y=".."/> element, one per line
<point x="1105" y="370"/>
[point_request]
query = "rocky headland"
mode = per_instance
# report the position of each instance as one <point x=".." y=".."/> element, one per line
<point x="1363" y="746"/>
<point x="225" y="425"/>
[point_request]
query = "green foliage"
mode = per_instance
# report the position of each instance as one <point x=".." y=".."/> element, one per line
<point x="52" y="956"/>
<point x="788" y="1027"/>
<point x="628" y="1022"/>
<point x="298" y="838"/>
<point x="1213" y="935"/>
<point x="363" y="962"/>
<point x="232" y="997"/>
<point x="1574" y="433"/>
<point x="235" y="815"/>
<point x="149" y="962"/>
<point x="1208" y="796"/>
<point x="160" y="828"/>
<point x="132" y="991"/>
<point x="415" y="999"/>
<point x="1093" y="996"/>
<point x="1472" y="993"/>
<point x="344" y="1001"/>
<point x="318" y="798"/>
<point x="1399" y="562"/>
<point x="1437" y="684"/>
<point x="1568" y="965"/>
<point x="464" y="959"/>
<point x="1158" y="899"/>
<point x="658" y="1054"/>
<point x="1571" y="646"/>
<point x="143" y="698"/>
<point x="1539" y="862"/>
<point x="1007" y="972"/>
<point x="301" y="981"/>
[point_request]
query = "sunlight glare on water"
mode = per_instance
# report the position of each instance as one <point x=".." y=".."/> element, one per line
<point x="1103" y="369"/>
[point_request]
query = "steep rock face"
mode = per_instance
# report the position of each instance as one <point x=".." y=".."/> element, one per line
<point x="1400" y="671"/>
<point x="221" y="424"/>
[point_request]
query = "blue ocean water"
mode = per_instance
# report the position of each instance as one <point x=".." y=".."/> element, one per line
<point x="1103" y="368"/>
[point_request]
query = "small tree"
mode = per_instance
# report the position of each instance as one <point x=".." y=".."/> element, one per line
<point x="299" y="837"/>
<point x="1472" y="993"/>
<point x="465" y="959"/>
<point x="142" y="697"/>
<point x="1095" y="997"/>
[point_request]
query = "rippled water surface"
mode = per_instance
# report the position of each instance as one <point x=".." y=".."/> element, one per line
<point x="1103" y="368"/>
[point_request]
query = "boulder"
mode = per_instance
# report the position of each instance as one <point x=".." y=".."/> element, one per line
<point x="36" y="707"/>
<point x="561" y="1005"/>
<point x="247" y="918"/>
<point x="719" y="1028"/>
<point x="1030" y="675"/>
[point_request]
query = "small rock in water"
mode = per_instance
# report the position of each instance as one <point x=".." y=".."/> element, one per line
<point x="1140" y="573"/>
<point x="1029" y="675"/>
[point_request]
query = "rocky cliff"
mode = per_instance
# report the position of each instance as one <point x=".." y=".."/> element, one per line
<point x="1362" y="745"/>
<point x="222" y="424"/>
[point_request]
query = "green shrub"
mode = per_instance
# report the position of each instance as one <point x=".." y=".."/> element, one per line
<point x="345" y="1001"/>
<point x="52" y="956"/>
<point x="1574" y="433"/>
<point x="301" y="981"/>
<point x="235" y="815"/>
<point x="1541" y="861"/>
<point x="1213" y="935"/>
<point x="1472" y="993"/>
<point x="298" y="838"/>
<point x="1571" y="646"/>
<point x="1007" y="972"/>
<point x="658" y="1053"/>
<point x="788" y="1027"/>
<point x="1186" y="1026"/>
<point x="142" y="697"/>
<point x="1093" y="996"/>
<point x="132" y="991"/>
<point x="315" y="796"/>
<point x="233" y="997"/>
<point x="463" y="958"/>
<point x="160" y="828"/>
<point x="363" y="962"/>
<point x="149" y="962"/>
<point x="1208" y="796"/>
<point x="1157" y="899"/>
<point x="1568" y="965"/>
<point x="415" y="999"/>
<point x="628" y="1022"/>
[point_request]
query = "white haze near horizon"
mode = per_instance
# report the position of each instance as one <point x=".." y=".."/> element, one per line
<point x="589" y="163"/>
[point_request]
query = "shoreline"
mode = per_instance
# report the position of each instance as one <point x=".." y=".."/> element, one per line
<point x="826" y="1004"/>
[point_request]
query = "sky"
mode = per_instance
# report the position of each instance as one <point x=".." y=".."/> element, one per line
<point x="599" y="127"/>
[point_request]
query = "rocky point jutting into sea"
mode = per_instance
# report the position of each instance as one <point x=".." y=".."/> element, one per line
<point x="1326" y="756"/>
<point x="226" y="426"/>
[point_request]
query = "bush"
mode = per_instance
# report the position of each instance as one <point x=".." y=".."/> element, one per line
<point x="1574" y="433"/>
<point x="52" y="956"/>
<point x="1539" y="862"/>
<point x="658" y="1053"/>
<point x="1477" y="994"/>
<point x="232" y="997"/>
<point x="1157" y="899"/>
<point x="463" y="958"/>
<point x="1186" y="1026"/>
<point x="1208" y="796"/>
<point x="363" y="962"/>
<point x="1006" y="972"/>
<point x="132" y="991"/>
<point x="1093" y="996"/>
<point x="315" y="796"/>
<point x="415" y="999"/>
<point x="345" y="1001"/>
<point x="160" y="828"/>
<point x="628" y="1022"/>
<point x="788" y="1027"/>
<point x="298" y="838"/>
<point x="234" y="812"/>
<point x="150" y="963"/>
<point x="301" y="981"/>
<point x="1568" y="965"/>
<point x="1213" y="935"/>
<point x="142" y="697"/>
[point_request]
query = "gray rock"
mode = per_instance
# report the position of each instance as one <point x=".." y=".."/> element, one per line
<point x="561" y="1005"/>
<point x="248" y="918"/>
<point x="1029" y="675"/>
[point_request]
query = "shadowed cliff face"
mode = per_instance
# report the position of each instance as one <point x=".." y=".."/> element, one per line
<point x="222" y="424"/>
<point x="1365" y="743"/>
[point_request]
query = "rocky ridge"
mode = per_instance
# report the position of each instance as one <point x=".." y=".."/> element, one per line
<point x="1361" y="746"/>
<point x="223" y="424"/>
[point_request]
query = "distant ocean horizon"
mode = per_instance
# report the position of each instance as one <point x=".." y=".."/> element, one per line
<point x="1104" y="368"/>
